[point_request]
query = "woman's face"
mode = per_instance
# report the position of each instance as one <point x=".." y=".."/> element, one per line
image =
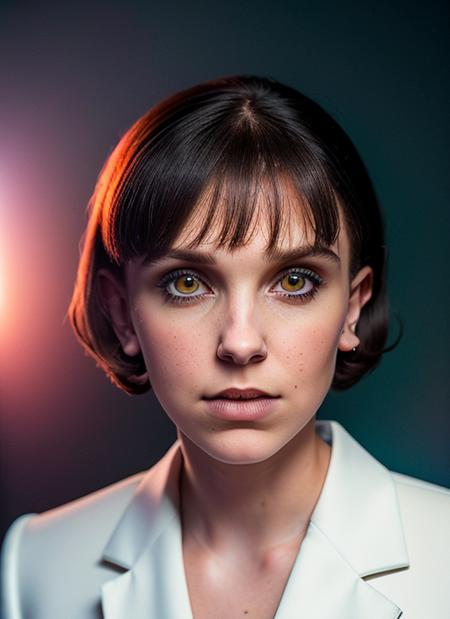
<point x="213" y="319"/>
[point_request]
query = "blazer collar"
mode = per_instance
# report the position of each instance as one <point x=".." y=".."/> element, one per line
<point x="355" y="531"/>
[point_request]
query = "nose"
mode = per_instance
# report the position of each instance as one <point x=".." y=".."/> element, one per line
<point x="241" y="341"/>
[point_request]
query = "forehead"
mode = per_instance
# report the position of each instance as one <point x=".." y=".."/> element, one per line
<point x="266" y="231"/>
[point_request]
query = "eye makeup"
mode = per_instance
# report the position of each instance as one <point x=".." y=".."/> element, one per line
<point x="167" y="286"/>
<point x="297" y="283"/>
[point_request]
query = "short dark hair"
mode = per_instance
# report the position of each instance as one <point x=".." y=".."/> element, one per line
<point x="228" y="135"/>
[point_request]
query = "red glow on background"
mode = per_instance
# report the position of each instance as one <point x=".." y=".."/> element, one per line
<point x="36" y="272"/>
<point x="5" y="258"/>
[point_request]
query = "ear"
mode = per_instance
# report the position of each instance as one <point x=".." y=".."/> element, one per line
<point x="116" y="303"/>
<point x="360" y="293"/>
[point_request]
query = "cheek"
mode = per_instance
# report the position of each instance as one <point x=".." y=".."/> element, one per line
<point x="311" y="349"/>
<point x="169" y="348"/>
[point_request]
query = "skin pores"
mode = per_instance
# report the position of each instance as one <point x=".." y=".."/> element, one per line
<point x="240" y="330"/>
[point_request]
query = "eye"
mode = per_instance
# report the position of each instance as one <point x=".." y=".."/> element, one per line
<point x="185" y="284"/>
<point x="182" y="286"/>
<point x="298" y="283"/>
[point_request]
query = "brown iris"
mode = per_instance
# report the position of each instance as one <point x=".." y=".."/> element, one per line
<point x="292" y="282"/>
<point x="186" y="284"/>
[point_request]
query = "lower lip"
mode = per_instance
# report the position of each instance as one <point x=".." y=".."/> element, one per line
<point x="241" y="410"/>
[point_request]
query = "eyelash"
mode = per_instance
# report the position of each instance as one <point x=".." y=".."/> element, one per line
<point x="311" y="276"/>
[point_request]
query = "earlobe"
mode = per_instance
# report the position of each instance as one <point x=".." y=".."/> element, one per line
<point x="115" y="302"/>
<point x="360" y="294"/>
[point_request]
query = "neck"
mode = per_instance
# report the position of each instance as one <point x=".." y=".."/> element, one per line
<point x="257" y="506"/>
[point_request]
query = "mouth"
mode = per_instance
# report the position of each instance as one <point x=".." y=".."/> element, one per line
<point x="234" y="393"/>
<point x="241" y="405"/>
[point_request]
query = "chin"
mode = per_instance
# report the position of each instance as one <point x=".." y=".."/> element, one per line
<point x="241" y="446"/>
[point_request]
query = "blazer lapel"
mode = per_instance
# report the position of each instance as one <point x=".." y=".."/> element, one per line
<point x="147" y="542"/>
<point x="358" y="508"/>
<point x="322" y="585"/>
<point x="355" y="531"/>
<point x="154" y="587"/>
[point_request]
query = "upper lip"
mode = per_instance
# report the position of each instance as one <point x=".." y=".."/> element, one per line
<point x="233" y="393"/>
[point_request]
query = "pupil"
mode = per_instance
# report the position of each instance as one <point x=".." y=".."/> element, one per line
<point x="294" y="282"/>
<point x="188" y="281"/>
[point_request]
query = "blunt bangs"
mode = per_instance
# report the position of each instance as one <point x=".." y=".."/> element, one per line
<point x="221" y="157"/>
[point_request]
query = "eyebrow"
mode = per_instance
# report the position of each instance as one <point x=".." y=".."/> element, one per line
<point x="276" y="255"/>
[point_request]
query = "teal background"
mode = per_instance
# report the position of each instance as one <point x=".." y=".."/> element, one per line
<point x="74" y="77"/>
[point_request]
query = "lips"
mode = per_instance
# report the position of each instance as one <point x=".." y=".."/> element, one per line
<point x="235" y="405"/>
<point x="234" y="393"/>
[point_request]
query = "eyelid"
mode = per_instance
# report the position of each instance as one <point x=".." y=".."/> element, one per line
<point x="313" y="277"/>
<point x="173" y="275"/>
<point x="303" y="271"/>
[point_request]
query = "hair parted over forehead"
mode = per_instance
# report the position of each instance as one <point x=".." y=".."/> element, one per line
<point x="207" y="154"/>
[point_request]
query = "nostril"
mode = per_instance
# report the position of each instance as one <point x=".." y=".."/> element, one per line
<point x="241" y="352"/>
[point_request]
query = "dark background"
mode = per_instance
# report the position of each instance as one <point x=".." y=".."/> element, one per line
<point x="73" y="78"/>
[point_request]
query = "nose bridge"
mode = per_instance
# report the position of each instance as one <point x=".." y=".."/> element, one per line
<point x="241" y="337"/>
<point x="241" y="306"/>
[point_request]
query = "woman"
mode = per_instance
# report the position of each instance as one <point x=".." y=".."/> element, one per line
<point x="234" y="262"/>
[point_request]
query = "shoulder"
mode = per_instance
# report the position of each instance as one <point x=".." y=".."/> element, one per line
<point x="36" y="548"/>
<point x="94" y="514"/>
<point x="425" y="513"/>
<point x="422" y="499"/>
<point x="421" y="589"/>
<point x="419" y="484"/>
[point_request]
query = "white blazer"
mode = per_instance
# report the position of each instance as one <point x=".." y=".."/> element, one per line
<point x="377" y="547"/>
